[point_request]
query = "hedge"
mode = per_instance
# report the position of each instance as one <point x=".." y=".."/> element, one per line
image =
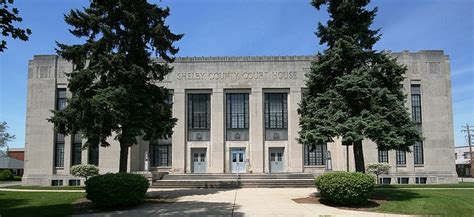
<point x="116" y="189"/>
<point x="345" y="187"/>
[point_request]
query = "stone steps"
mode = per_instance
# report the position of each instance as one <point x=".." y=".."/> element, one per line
<point x="233" y="181"/>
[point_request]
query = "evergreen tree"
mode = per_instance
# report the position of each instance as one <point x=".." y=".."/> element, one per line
<point x="114" y="81"/>
<point x="354" y="92"/>
<point x="7" y="18"/>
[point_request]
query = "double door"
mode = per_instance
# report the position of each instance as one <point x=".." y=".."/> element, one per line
<point x="199" y="160"/>
<point x="276" y="160"/>
<point x="237" y="159"/>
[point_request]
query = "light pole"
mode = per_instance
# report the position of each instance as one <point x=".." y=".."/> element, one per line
<point x="468" y="131"/>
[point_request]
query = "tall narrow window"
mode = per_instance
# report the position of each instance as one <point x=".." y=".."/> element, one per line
<point x="59" y="151"/>
<point x="276" y="111"/>
<point x="76" y="150"/>
<point x="94" y="155"/>
<point x="383" y="156"/>
<point x="416" y="117"/>
<point x="416" y="103"/>
<point x="199" y="111"/>
<point x="61" y="99"/>
<point x="317" y="156"/>
<point x="418" y="153"/>
<point x="401" y="157"/>
<point x="237" y="110"/>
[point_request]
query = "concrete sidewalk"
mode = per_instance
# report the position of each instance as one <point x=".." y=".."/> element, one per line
<point x="235" y="202"/>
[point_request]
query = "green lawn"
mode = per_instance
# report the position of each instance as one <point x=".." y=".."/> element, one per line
<point x="37" y="203"/>
<point x="460" y="185"/>
<point x="45" y="187"/>
<point x="446" y="202"/>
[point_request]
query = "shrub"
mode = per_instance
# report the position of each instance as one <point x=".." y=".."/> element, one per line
<point x="116" y="189"/>
<point x="378" y="169"/>
<point x="85" y="171"/>
<point x="17" y="178"/>
<point x="345" y="188"/>
<point x="6" y="175"/>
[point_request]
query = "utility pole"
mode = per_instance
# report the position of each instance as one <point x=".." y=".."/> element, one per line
<point x="468" y="130"/>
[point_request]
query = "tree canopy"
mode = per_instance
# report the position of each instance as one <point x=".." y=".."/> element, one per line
<point x="353" y="91"/>
<point x="7" y="18"/>
<point x="114" y="81"/>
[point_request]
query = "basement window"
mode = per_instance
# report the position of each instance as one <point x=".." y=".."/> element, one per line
<point x="57" y="182"/>
<point x="402" y="180"/>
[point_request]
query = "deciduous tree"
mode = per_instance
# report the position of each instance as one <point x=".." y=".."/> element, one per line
<point x="8" y="16"/>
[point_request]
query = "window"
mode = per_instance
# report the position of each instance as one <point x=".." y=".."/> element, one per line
<point x="57" y="182"/>
<point x="168" y="99"/>
<point x="317" y="156"/>
<point x="385" y="181"/>
<point x="383" y="156"/>
<point x="237" y="110"/>
<point x="402" y="180"/>
<point x="59" y="151"/>
<point x="418" y="153"/>
<point x="61" y="99"/>
<point x="76" y="150"/>
<point x="74" y="182"/>
<point x="416" y="103"/>
<point x="199" y="111"/>
<point x="420" y="180"/>
<point x="160" y="154"/>
<point x="466" y="155"/>
<point x="401" y="157"/>
<point x="94" y="155"/>
<point x="276" y="111"/>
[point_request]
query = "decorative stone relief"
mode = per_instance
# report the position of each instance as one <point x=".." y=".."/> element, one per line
<point x="44" y="71"/>
<point x="433" y="67"/>
<point x="415" y="69"/>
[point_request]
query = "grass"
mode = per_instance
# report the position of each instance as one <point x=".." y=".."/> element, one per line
<point x="446" y="202"/>
<point x="460" y="185"/>
<point x="37" y="203"/>
<point x="45" y="187"/>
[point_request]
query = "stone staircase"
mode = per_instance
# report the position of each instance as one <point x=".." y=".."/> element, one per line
<point x="293" y="180"/>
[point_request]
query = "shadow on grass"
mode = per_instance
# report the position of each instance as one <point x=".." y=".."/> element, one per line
<point x="378" y="197"/>
<point x="394" y="194"/>
<point x="22" y="207"/>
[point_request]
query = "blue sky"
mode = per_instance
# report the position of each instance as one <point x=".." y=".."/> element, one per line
<point x="258" y="27"/>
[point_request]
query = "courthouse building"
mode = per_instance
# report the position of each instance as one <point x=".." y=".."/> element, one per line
<point x="239" y="115"/>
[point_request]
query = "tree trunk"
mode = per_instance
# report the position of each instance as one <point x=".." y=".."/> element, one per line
<point x="123" y="158"/>
<point x="359" y="157"/>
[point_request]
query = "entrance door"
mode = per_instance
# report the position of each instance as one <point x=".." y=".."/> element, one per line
<point x="237" y="159"/>
<point x="199" y="160"/>
<point x="276" y="160"/>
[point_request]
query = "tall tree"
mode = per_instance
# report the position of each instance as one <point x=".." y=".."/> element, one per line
<point x="7" y="18"/>
<point x="354" y="92"/>
<point x="114" y="81"/>
<point x="5" y="137"/>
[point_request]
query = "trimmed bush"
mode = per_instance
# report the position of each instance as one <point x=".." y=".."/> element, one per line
<point x="6" y="175"/>
<point x="345" y="188"/>
<point x="84" y="171"/>
<point x="116" y="189"/>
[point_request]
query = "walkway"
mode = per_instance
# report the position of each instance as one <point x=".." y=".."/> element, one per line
<point x="235" y="202"/>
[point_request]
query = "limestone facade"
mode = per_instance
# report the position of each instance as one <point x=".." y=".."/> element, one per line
<point x="216" y="148"/>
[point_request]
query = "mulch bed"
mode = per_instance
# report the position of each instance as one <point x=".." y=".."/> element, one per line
<point x="85" y="206"/>
<point x="373" y="202"/>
